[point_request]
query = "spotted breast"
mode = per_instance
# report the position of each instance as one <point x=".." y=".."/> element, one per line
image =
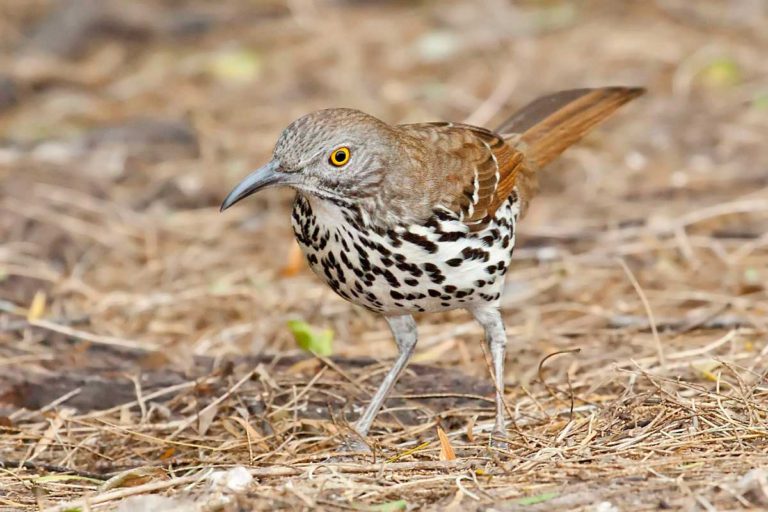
<point x="437" y="265"/>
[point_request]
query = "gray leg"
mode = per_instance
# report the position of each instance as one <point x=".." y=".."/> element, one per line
<point x="496" y="337"/>
<point x="404" y="330"/>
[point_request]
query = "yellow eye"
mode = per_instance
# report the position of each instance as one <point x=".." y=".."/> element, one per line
<point x="339" y="156"/>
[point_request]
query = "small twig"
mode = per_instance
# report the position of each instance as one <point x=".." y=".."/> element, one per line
<point x="544" y="381"/>
<point x="93" y="338"/>
<point x="648" y="311"/>
<point x="189" y="421"/>
<point x="52" y="468"/>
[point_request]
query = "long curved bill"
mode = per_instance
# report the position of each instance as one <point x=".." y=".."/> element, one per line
<point x="263" y="177"/>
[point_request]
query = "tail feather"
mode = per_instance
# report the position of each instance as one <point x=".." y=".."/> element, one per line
<point x="550" y="124"/>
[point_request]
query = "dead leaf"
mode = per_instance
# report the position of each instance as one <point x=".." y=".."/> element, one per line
<point x="133" y="477"/>
<point x="37" y="307"/>
<point x="50" y="433"/>
<point x="205" y="418"/>
<point x="706" y="369"/>
<point x="470" y="429"/>
<point x="295" y="262"/>
<point x="446" y="450"/>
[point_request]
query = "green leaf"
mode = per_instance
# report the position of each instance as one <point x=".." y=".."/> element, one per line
<point x="311" y="340"/>
<point x="235" y="65"/>
<point x="390" y="506"/>
<point x="761" y="101"/>
<point x="539" y="498"/>
<point x="722" y="72"/>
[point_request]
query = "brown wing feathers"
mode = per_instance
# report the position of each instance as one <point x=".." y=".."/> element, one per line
<point x="543" y="129"/>
<point x="478" y="169"/>
<point x="552" y="123"/>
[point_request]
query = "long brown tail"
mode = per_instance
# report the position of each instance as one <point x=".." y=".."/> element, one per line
<point x="550" y="124"/>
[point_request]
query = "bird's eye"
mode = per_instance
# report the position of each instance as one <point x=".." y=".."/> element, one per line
<point x="339" y="156"/>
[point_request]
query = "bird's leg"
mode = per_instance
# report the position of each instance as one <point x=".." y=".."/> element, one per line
<point x="404" y="330"/>
<point x="496" y="337"/>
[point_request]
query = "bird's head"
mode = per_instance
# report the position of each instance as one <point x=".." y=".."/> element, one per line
<point x="334" y="154"/>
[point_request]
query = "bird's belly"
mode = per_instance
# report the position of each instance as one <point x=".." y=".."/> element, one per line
<point x="433" y="267"/>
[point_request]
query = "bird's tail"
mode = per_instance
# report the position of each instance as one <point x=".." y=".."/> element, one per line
<point x="548" y="125"/>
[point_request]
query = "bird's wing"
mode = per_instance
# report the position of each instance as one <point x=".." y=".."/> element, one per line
<point x="481" y="168"/>
<point x="475" y="169"/>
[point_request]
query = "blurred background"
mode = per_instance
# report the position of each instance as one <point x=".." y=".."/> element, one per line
<point x="124" y="124"/>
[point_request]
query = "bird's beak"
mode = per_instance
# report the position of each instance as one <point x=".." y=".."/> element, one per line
<point x="268" y="175"/>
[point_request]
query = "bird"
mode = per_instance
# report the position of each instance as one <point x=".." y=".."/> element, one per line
<point x="422" y="218"/>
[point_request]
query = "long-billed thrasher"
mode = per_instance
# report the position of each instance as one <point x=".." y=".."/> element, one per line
<point x="421" y="217"/>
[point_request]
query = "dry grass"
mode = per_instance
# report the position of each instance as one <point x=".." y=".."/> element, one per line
<point x="143" y="335"/>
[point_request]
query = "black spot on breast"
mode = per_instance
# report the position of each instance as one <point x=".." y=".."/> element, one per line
<point x="324" y="240"/>
<point x="391" y="279"/>
<point x="449" y="288"/>
<point x="433" y="293"/>
<point x="475" y="254"/>
<point x="435" y="275"/>
<point x="383" y="250"/>
<point x="421" y="241"/>
<point x="395" y="238"/>
<point x="345" y="260"/>
<point x="365" y="264"/>
<point x="367" y="243"/>
<point x="454" y="262"/>
<point x="451" y="236"/>
<point x="479" y="283"/>
<point x="396" y="295"/>
<point x="411" y="282"/>
<point x="412" y="269"/>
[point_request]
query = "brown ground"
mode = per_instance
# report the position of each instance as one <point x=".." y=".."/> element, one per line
<point x="140" y="328"/>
